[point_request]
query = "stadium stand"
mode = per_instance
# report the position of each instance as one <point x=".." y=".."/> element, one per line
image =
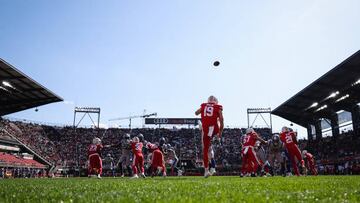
<point x="68" y="148"/>
<point x="336" y="91"/>
<point x="19" y="92"/>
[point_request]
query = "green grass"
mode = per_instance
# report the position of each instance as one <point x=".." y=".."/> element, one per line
<point x="183" y="189"/>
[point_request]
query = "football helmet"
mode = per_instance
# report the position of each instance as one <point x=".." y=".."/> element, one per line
<point x="96" y="140"/>
<point x="141" y="137"/>
<point x="276" y="138"/>
<point x="127" y="136"/>
<point x="250" y="130"/>
<point x="136" y="139"/>
<point x="162" y="141"/>
<point x="284" y="129"/>
<point x="212" y="99"/>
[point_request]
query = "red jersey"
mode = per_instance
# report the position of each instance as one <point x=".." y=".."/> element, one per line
<point x="309" y="156"/>
<point x="137" y="148"/>
<point x="249" y="139"/>
<point x="152" y="147"/>
<point x="210" y="113"/>
<point x="289" y="138"/>
<point x="94" y="149"/>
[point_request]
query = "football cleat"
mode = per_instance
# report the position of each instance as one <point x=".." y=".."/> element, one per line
<point x="143" y="175"/>
<point x="135" y="176"/>
<point x="212" y="171"/>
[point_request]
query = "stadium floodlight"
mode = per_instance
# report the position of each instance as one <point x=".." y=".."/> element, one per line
<point x="356" y="82"/>
<point x="342" y="98"/>
<point x="3" y="88"/>
<point x="334" y="94"/>
<point x="315" y="104"/>
<point x="7" y="84"/>
<point x="321" y="108"/>
<point x="87" y="109"/>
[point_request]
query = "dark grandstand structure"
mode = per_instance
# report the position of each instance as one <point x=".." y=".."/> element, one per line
<point x="338" y="89"/>
<point x="19" y="92"/>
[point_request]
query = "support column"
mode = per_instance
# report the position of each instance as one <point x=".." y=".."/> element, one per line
<point x="310" y="133"/>
<point x="355" y="114"/>
<point x="335" y="125"/>
<point x="318" y="129"/>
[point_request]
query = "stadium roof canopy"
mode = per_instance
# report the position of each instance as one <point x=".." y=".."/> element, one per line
<point x="19" y="92"/>
<point x="338" y="89"/>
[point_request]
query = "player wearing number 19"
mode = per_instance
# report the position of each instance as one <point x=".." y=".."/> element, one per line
<point x="212" y="125"/>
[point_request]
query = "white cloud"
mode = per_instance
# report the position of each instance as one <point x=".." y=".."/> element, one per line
<point x="69" y="102"/>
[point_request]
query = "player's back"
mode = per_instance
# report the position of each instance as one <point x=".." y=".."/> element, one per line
<point x="125" y="146"/>
<point x="210" y="113"/>
<point x="261" y="153"/>
<point x="288" y="138"/>
<point x="171" y="154"/>
<point x="309" y="156"/>
<point x="249" y="140"/>
<point x="108" y="163"/>
<point x="94" y="149"/>
<point x="152" y="147"/>
<point x="137" y="148"/>
<point x="275" y="146"/>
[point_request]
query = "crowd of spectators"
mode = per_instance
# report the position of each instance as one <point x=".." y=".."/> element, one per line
<point x="16" y="172"/>
<point x="337" y="155"/>
<point x="33" y="136"/>
<point x="67" y="148"/>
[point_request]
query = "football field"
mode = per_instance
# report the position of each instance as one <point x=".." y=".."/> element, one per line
<point x="183" y="189"/>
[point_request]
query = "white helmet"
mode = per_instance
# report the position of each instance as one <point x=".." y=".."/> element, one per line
<point x="284" y="129"/>
<point x="212" y="99"/>
<point x="96" y="140"/>
<point x="136" y="139"/>
<point x="249" y="130"/>
<point x="304" y="152"/>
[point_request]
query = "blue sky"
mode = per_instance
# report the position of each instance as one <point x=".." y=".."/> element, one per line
<point x="126" y="56"/>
